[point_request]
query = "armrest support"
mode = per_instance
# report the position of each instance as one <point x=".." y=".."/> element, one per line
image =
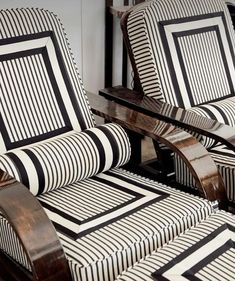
<point x="175" y="115"/>
<point x="195" y="156"/>
<point x="34" y="230"/>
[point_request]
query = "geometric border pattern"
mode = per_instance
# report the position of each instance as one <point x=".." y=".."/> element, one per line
<point x="172" y="30"/>
<point x="211" y="247"/>
<point x="45" y="44"/>
<point x="141" y="196"/>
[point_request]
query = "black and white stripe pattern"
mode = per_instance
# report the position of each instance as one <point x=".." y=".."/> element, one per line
<point x="108" y="249"/>
<point x="184" y="53"/>
<point x="22" y="122"/>
<point x="42" y="94"/>
<point x="225" y="161"/>
<point x="206" y="252"/>
<point x="9" y="243"/>
<point x="165" y="37"/>
<point x="222" y="111"/>
<point x="67" y="159"/>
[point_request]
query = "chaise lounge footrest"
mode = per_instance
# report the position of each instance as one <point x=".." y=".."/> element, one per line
<point x="205" y="252"/>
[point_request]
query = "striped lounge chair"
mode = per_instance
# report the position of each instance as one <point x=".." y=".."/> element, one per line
<point x="183" y="54"/>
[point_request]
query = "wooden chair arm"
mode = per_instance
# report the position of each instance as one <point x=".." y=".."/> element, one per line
<point x="196" y="157"/>
<point x="175" y="115"/>
<point x="34" y="230"/>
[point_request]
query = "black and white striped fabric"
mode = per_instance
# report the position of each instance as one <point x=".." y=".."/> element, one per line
<point x="67" y="159"/>
<point x="225" y="162"/>
<point x="110" y="221"/>
<point x="9" y="243"/>
<point x="206" y="252"/>
<point x="184" y="54"/>
<point x="183" y="50"/>
<point x="222" y="111"/>
<point x="41" y="92"/>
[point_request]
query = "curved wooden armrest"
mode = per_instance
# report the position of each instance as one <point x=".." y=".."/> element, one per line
<point x="34" y="230"/>
<point x="175" y="115"/>
<point x="196" y="157"/>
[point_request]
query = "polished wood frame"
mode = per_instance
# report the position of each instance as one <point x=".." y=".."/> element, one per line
<point x="36" y="232"/>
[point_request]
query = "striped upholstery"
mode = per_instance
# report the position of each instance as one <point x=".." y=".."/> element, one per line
<point x="106" y="221"/>
<point x="184" y="54"/>
<point x="206" y="252"/>
<point x="41" y="92"/>
<point x="172" y="43"/>
<point x="10" y="244"/>
<point x="67" y="159"/>
<point x="110" y="221"/>
<point x="225" y="161"/>
<point x="222" y="111"/>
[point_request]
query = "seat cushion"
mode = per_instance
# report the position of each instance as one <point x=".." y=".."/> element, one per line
<point x="223" y="111"/>
<point x="110" y="221"/>
<point x="206" y="252"/>
<point x="67" y="159"/>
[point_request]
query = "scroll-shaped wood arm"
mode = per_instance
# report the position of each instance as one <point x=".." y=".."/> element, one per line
<point x="196" y="157"/>
<point x="34" y="230"/>
<point x="175" y="115"/>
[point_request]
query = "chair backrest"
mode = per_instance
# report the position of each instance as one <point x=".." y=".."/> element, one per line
<point x="41" y="91"/>
<point x="182" y="51"/>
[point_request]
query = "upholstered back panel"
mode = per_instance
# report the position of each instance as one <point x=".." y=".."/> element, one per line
<point x="41" y="91"/>
<point x="183" y="50"/>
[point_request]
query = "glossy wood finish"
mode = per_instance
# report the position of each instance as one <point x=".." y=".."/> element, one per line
<point x="34" y="230"/>
<point x="195" y="156"/>
<point x="175" y="115"/>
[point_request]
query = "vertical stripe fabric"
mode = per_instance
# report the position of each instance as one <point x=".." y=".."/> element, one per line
<point x="99" y="242"/>
<point x="41" y="91"/>
<point x="184" y="54"/>
<point x="206" y="252"/>
<point x="10" y="244"/>
<point x="183" y="51"/>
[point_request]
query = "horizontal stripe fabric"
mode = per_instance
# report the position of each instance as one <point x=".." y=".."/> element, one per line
<point x="64" y="160"/>
<point x="112" y="245"/>
<point x="206" y="252"/>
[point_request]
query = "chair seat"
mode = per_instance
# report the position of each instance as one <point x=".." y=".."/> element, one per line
<point x="112" y="220"/>
<point x="223" y="110"/>
<point x="206" y="252"/>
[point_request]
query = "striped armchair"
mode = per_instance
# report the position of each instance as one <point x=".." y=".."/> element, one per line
<point x="68" y="211"/>
<point x="183" y="54"/>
